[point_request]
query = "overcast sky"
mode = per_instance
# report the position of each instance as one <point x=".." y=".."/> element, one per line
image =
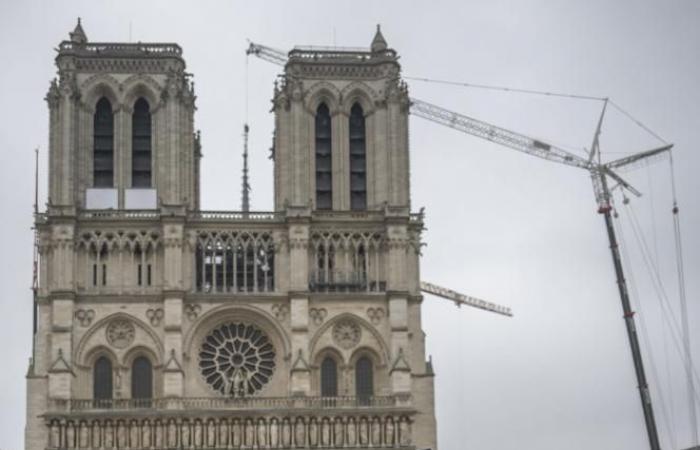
<point x="502" y="226"/>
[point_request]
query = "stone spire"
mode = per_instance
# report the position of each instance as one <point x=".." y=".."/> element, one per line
<point x="378" y="43"/>
<point x="78" y="34"/>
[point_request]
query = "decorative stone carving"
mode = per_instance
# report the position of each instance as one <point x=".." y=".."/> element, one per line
<point x="347" y="333"/>
<point x="308" y="431"/>
<point x="318" y="315"/>
<point x="120" y="333"/>
<point x="155" y="316"/>
<point x="85" y="316"/>
<point x="237" y="359"/>
<point x="192" y="311"/>
<point x="280" y="311"/>
<point x="375" y="315"/>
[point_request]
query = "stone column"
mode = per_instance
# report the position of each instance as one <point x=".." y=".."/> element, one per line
<point x="399" y="368"/>
<point x="173" y="296"/>
<point x="299" y="301"/>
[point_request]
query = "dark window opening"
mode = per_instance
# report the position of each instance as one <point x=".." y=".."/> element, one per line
<point x="329" y="378"/>
<point x="148" y="274"/>
<point x="358" y="159"/>
<point x="142" y="381"/>
<point x="141" y="145"/>
<point x="324" y="176"/>
<point x="102" y="380"/>
<point x="364" y="380"/>
<point x="94" y="274"/>
<point x="103" y="150"/>
<point x="138" y="275"/>
<point x="104" y="274"/>
<point x="244" y="266"/>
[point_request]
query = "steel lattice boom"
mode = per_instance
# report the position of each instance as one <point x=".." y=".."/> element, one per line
<point x="461" y="299"/>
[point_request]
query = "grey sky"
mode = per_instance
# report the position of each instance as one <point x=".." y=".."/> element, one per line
<point x="502" y="226"/>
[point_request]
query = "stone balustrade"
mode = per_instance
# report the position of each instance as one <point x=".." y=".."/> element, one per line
<point x="121" y="49"/>
<point x="229" y="404"/>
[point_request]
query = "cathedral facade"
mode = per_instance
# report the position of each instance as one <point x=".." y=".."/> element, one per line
<point x="161" y="325"/>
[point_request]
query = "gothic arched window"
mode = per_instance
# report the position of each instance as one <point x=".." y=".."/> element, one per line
<point x="364" y="379"/>
<point x="141" y="145"/>
<point x="103" y="150"/>
<point x="329" y="377"/>
<point x="358" y="159"/>
<point x="141" y="378"/>
<point x="102" y="379"/>
<point x="324" y="177"/>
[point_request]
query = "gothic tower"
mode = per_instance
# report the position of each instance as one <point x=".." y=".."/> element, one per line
<point x="159" y="325"/>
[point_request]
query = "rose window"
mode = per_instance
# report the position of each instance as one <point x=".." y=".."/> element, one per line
<point x="237" y="359"/>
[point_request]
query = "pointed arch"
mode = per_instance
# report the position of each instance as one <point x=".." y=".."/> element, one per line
<point x="141" y="85"/>
<point x="91" y="340"/>
<point x="358" y="92"/>
<point x="322" y="92"/>
<point x="98" y="86"/>
<point x="381" y="353"/>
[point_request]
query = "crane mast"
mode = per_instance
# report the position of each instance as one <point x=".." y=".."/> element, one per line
<point x="599" y="172"/>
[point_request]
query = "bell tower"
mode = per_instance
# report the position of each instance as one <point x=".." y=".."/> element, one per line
<point x="121" y="127"/>
<point x="341" y="118"/>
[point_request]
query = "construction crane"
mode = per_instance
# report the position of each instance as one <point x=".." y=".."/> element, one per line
<point x="601" y="174"/>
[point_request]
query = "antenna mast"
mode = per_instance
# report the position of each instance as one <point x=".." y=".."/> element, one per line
<point x="35" y="257"/>
<point x="245" y="188"/>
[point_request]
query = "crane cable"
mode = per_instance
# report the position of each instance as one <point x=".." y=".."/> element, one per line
<point x="505" y="89"/>
<point x="661" y="293"/>
<point x="669" y="419"/>
<point x="683" y="302"/>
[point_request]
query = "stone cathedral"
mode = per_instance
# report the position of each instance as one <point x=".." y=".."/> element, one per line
<point x="159" y="325"/>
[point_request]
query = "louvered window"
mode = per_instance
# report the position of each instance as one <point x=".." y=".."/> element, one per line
<point x="358" y="159"/>
<point x="141" y="145"/>
<point x="103" y="151"/>
<point x="324" y="176"/>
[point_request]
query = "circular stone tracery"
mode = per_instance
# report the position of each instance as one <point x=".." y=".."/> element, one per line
<point x="237" y="359"/>
<point x="347" y="333"/>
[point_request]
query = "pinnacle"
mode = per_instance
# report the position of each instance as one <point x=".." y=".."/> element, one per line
<point x="78" y="34"/>
<point x="378" y="43"/>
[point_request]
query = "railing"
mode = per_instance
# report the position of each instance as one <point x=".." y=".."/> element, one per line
<point x="121" y="49"/>
<point x="126" y="214"/>
<point x="311" y="53"/>
<point x="235" y="215"/>
<point x="230" y="404"/>
<point x="343" y="281"/>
